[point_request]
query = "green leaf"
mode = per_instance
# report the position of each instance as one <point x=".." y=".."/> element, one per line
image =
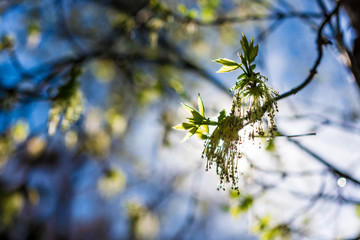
<point x="201" y="106"/>
<point x="226" y="62"/>
<point x="242" y="76"/>
<point x="201" y="134"/>
<point x="227" y="69"/>
<point x="188" y="108"/>
<point x="194" y="129"/>
<point x="183" y="126"/>
<point x="244" y="44"/>
<point x="198" y="119"/>
<point x="253" y="67"/>
<point x="228" y="65"/>
<point x="250" y="49"/>
<point x="254" y="53"/>
<point x="243" y="60"/>
<point x="179" y="127"/>
<point x="251" y="45"/>
<point x="206" y="128"/>
<point x="190" y="134"/>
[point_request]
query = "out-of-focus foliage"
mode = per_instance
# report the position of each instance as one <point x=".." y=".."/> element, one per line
<point x="240" y="204"/>
<point x="267" y="232"/>
<point x="11" y="138"/>
<point x="112" y="183"/>
<point x="10" y="207"/>
<point x="67" y="104"/>
<point x="144" y="224"/>
<point x="90" y="92"/>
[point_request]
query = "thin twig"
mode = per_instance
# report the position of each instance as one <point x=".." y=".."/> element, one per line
<point x="320" y="159"/>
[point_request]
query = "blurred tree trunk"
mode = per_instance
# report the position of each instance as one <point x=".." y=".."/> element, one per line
<point x="352" y="7"/>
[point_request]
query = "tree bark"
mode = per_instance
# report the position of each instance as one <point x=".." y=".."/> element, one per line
<point x="352" y="8"/>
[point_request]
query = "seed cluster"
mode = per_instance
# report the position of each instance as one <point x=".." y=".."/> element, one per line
<point x="252" y="99"/>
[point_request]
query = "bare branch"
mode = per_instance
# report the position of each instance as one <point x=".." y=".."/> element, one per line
<point x="320" y="42"/>
<point x="320" y="159"/>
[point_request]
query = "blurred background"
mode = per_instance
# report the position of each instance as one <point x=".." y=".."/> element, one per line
<point x="90" y="90"/>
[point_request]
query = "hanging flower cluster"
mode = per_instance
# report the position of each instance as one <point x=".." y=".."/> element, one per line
<point x="253" y="97"/>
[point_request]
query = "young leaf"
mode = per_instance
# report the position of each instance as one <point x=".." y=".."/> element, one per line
<point x="206" y="128"/>
<point x="249" y="50"/>
<point x="228" y="65"/>
<point x="183" y="126"/>
<point x="187" y="136"/>
<point x="244" y="44"/>
<point x="227" y="68"/>
<point x="201" y="134"/>
<point x="251" y="45"/>
<point x="201" y="106"/>
<point x="198" y="119"/>
<point x="190" y="134"/>
<point x="243" y="60"/>
<point x="188" y="108"/>
<point x="254" y="53"/>
<point x="242" y="76"/>
<point x="226" y="62"/>
<point x="253" y="67"/>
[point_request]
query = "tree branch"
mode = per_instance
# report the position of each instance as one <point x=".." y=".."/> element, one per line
<point x="320" y="42"/>
<point x="331" y="167"/>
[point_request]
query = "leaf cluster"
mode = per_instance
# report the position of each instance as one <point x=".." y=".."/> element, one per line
<point x="197" y="124"/>
<point x="6" y="42"/>
<point x="247" y="57"/>
<point x="249" y="82"/>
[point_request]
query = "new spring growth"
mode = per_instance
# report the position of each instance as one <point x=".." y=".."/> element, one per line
<point x="252" y="98"/>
